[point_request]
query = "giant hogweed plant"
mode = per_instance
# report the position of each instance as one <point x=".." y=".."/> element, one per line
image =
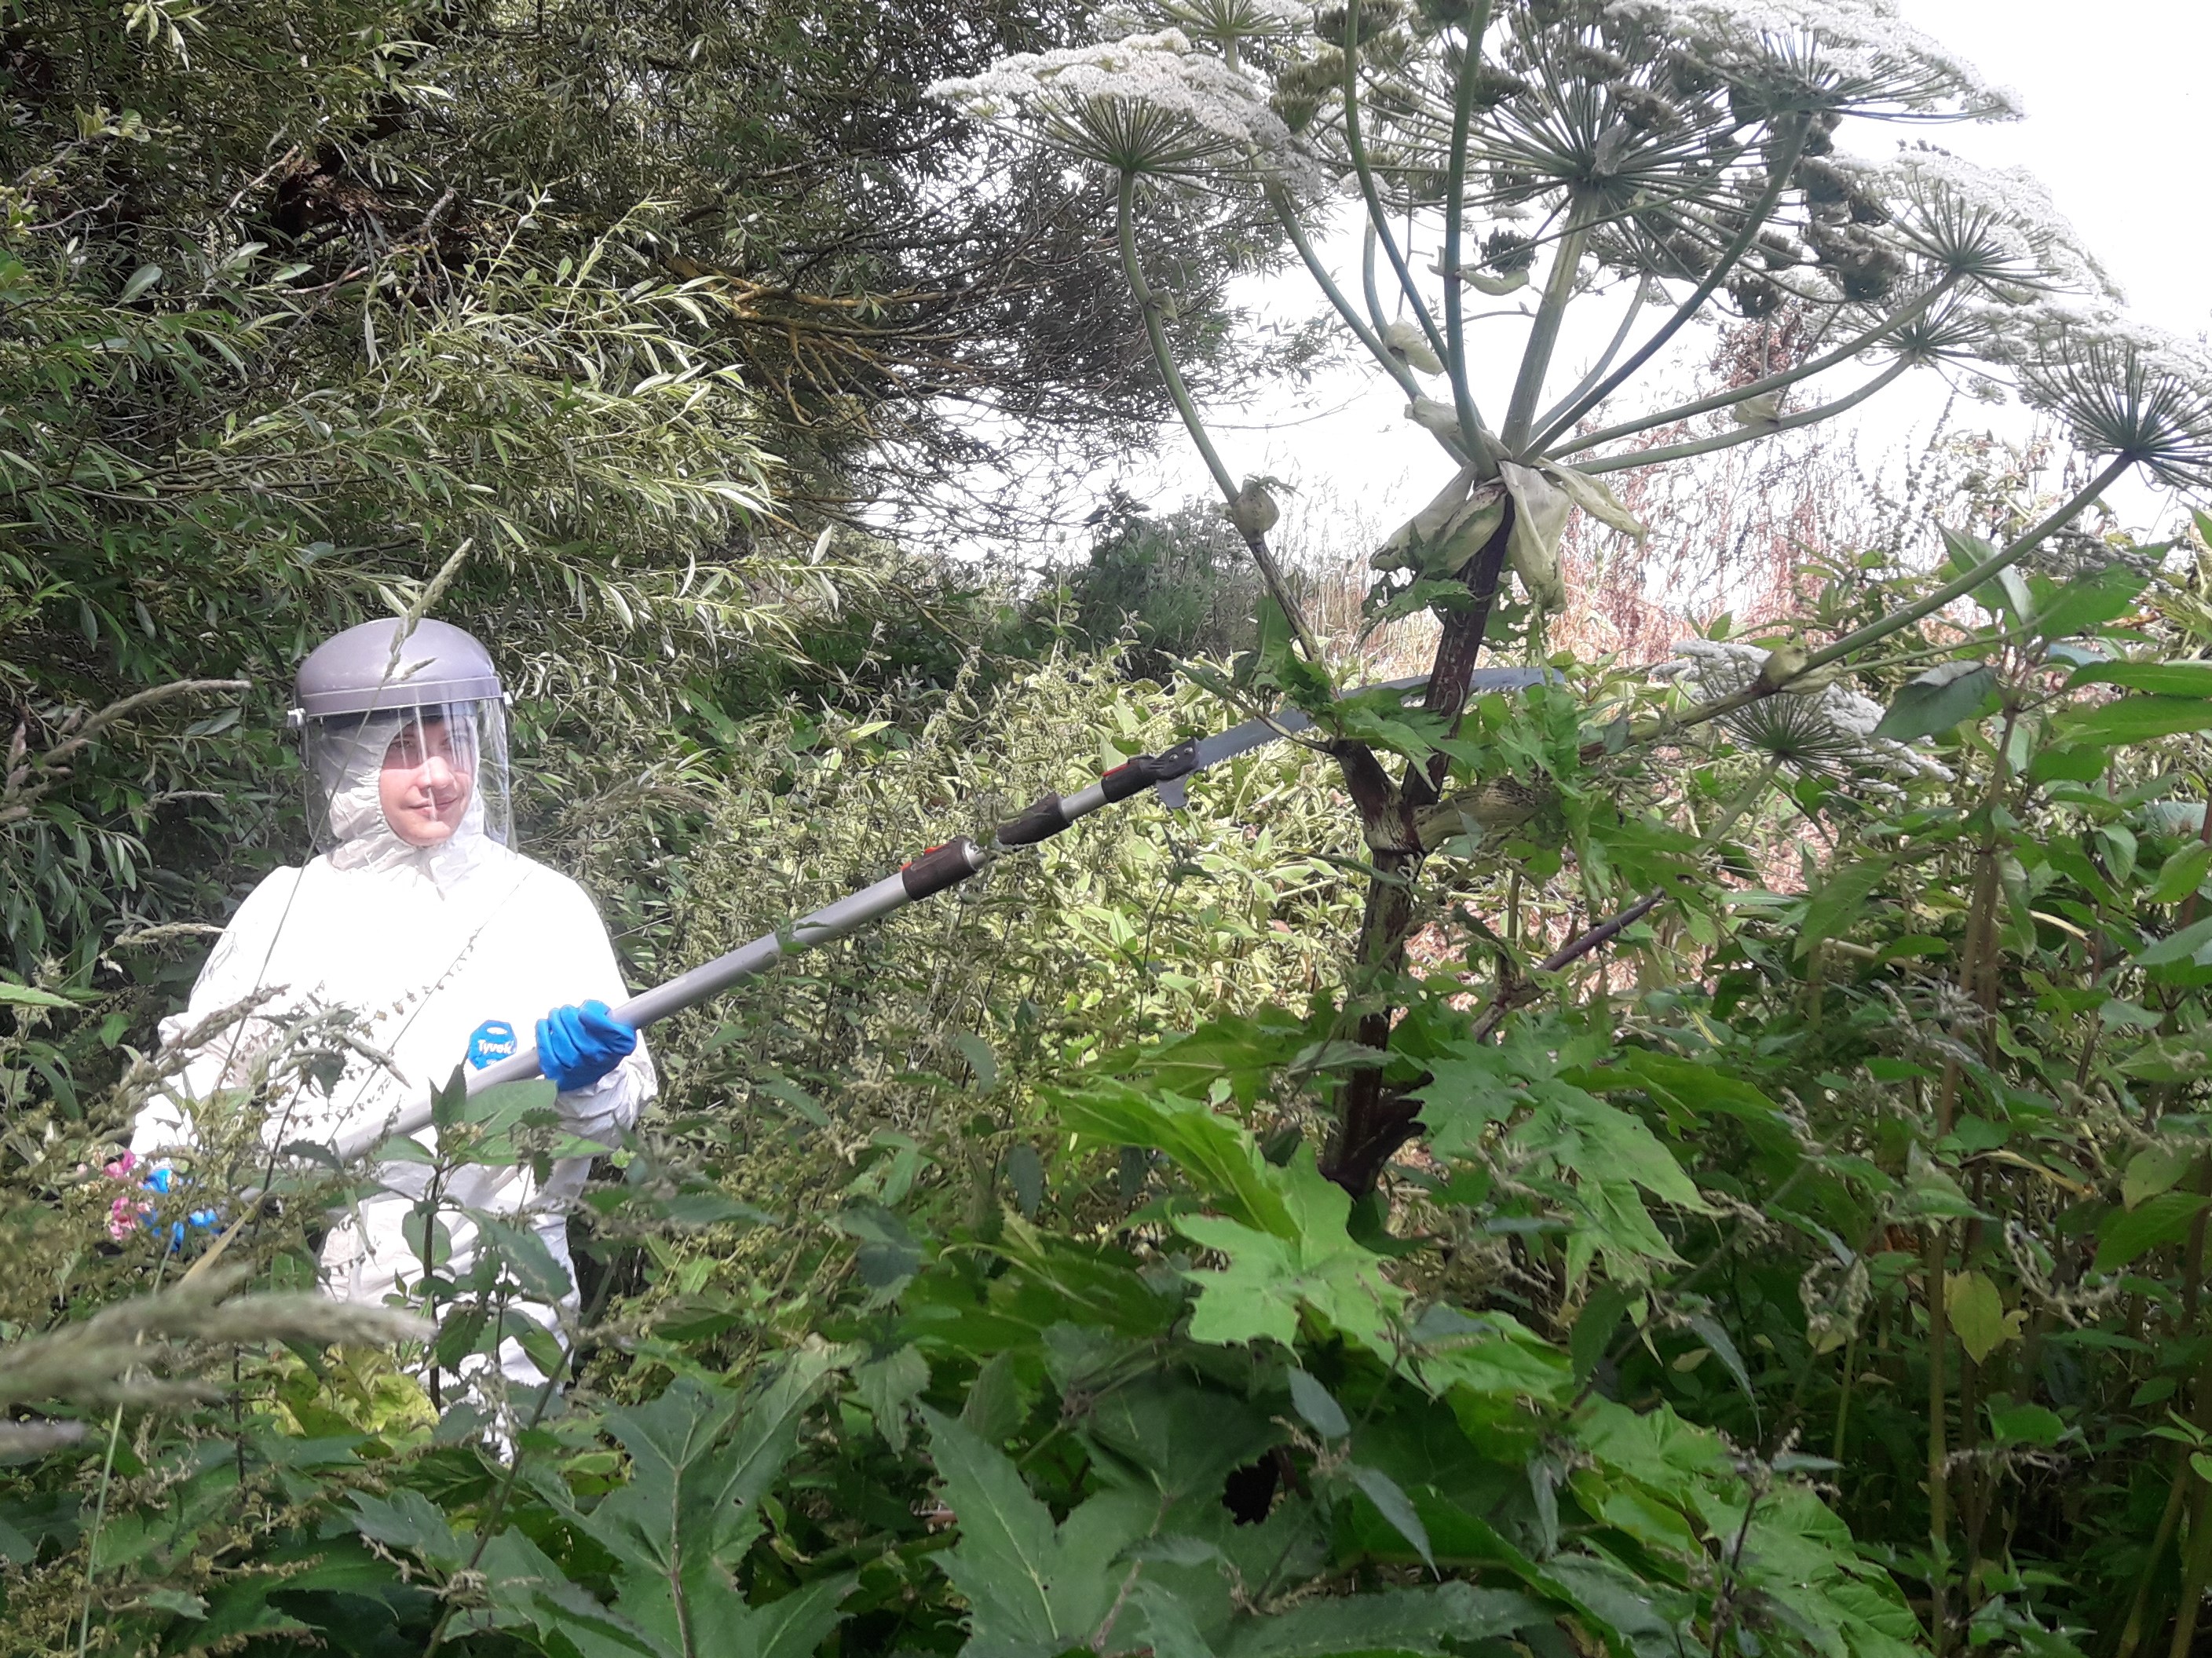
<point x="1673" y="159"/>
<point x="1024" y="1347"/>
<point x="1675" y="164"/>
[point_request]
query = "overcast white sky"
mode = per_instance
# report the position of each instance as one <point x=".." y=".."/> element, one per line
<point x="2117" y="127"/>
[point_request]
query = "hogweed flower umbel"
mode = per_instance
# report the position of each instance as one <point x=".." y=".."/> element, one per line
<point x="1995" y="227"/>
<point x="2127" y="388"/>
<point x="1856" y="57"/>
<point x="1146" y="106"/>
<point x="1222" y="23"/>
<point x="1825" y="730"/>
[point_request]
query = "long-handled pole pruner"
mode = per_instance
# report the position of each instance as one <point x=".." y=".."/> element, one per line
<point x="936" y="869"/>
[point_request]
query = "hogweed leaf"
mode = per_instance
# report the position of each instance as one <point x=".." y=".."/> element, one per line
<point x="1033" y="1588"/>
<point x="1419" y="1622"/>
<point x="1315" y="1263"/>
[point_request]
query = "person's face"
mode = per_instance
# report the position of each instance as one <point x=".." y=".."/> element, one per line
<point x="425" y="783"/>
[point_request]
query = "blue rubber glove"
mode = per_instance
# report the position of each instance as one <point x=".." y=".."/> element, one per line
<point x="578" y="1045"/>
<point x="161" y="1178"/>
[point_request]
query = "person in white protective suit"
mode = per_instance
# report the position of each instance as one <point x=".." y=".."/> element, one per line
<point x="419" y="918"/>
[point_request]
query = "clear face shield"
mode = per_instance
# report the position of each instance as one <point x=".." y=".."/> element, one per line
<point x="426" y="777"/>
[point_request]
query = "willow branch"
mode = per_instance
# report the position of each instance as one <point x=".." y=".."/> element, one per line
<point x="1564" y="957"/>
<point x="29" y="780"/>
<point x="1596" y="937"/>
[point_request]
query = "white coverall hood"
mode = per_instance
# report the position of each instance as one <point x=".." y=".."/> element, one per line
<point x="349" y="777"/>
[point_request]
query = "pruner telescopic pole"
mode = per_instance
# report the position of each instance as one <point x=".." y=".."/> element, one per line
<point x="936" y="869"/>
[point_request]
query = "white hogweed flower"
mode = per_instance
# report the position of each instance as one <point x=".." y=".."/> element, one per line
<point x="1148" y="106"/>
<point x="2126" y="387"/>
<point x="1997" y="227"/>
<point x="1220" y="23"/>
<point x="1844" y="56"/>
<point x="1826" y="730"/>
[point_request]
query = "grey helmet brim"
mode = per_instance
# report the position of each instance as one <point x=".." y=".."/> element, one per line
<point x="360" y="671"/>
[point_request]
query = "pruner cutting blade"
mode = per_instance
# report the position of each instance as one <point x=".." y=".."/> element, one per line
<point x="1288" y="721"/>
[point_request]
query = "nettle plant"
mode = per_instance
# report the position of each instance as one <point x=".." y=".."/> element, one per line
<point x="1673" y="160"/>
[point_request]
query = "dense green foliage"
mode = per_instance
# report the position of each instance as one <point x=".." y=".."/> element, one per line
<point x="582" y="321"/>
<point x="1176" y="586"/>
<point x="1639" y="1165"/>
<point x="1706" y="1201"/>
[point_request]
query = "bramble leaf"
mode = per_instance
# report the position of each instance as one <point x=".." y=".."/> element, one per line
<point x="2152" y="1170"/>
